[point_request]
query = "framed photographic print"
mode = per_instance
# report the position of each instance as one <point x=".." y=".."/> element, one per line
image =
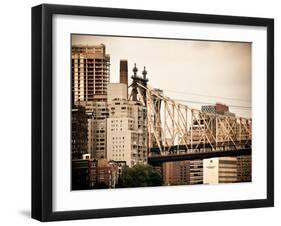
<point x="146" y="112"/>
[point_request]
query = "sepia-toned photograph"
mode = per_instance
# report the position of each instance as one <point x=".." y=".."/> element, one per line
<point x="159" y="112"/>
<point x="139" y="112"/>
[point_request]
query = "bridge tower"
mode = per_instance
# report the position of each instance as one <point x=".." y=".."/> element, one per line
<point x="136" y="88"/>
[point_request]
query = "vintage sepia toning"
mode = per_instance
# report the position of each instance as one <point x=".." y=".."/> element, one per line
<point x="159" y="112"/>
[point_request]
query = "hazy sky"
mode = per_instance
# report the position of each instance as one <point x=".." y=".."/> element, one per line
<point x="195" y="71"/>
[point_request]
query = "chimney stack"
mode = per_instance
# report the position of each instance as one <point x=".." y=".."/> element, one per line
<point x="124" y="72"/>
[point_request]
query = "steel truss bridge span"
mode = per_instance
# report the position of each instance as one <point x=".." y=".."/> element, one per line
<point x="176" y="129"/>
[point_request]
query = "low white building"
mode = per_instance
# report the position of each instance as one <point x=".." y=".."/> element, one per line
<point x="126" y="127"/>
<point x="220" y="170"/>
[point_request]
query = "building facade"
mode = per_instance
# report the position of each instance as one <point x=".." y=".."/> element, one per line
<point x="90" y="78"/>
<point x="94" y="174"/>
<point x="183" y="172"/>
<point x="218" y="108"/>
<point x="211" y="126"/>
<point x="80" y="179"/>
<point x="97" y="112"/>
<point x="104" y="174"/>
<point x="176" y="173"/>
<point x="79" y="132"/>
<point x="90" y="73"/>
<point x="220" y="170"/>
<point x="244" y="168"/>
<point x="126" y="128"/>
<point x="196" y="171"/>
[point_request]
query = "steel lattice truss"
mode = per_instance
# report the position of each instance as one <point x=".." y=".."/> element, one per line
<point x="175" y="127"/>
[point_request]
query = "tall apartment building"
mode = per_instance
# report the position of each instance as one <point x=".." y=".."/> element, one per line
<point x="97" y="112"/>
<point x="126" y="127"/>
<point x="90" y="73"/>
<point x="220" y="170"/>
<point x="90" y="77"/>
<point x="79" y="136"/>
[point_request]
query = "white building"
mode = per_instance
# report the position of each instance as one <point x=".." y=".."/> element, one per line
<point x="126" y="127"/>
<point x="220" y="170"/>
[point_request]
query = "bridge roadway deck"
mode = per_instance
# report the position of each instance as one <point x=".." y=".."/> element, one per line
<point x="159" y="159"/>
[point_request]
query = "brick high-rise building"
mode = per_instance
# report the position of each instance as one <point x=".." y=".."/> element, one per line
<point x="79" y="135"/>
<point x="90" y="73"/>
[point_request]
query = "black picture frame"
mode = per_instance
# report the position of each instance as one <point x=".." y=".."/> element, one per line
<point x="42" y="111"/>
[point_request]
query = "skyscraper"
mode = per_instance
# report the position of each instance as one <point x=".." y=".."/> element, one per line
<point x="90" y="78"/>
<point x="90" y="73"/>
